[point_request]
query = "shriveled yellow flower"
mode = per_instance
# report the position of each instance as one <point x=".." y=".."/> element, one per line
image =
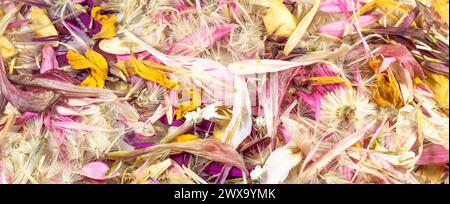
<point x="151" y="74"/>
<point x="93" y="61"/>
<point x="41" y="23"/>
<point x="108" y="30"/>
<point x="279" y="20"/>
<point x="386" y="92"/>
<point x="185" y="138"/>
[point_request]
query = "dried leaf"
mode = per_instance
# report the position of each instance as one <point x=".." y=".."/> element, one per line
<point x="25" y="100"/>
<point x="208" y="148"/>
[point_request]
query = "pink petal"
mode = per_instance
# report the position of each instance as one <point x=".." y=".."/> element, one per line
<point x="25" y="117"/>
<point x="386" y="63"/>
<point x="286" y="136"/>
<point x="95" y="170"/>
<point x="48" y="59"/>
<point x="333" y="6"/>
<point x="347" y="172"/>
<point x="337" y="28"/>
<point x="4" y="179"/>
<point x="401" y="53"/>
<point x="14" y="24"/>
<point x="317" y="98"/>
<point x="139" y="55"/>
<point x="433" y="154"/>
<point x="66" y="111"/>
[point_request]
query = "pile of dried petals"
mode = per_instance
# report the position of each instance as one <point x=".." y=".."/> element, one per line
<point x="224" y="91"/>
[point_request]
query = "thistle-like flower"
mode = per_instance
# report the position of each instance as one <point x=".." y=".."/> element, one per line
<point x="346" y="110"/>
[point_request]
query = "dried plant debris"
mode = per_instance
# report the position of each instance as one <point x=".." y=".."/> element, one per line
<point x="224" y="91"/>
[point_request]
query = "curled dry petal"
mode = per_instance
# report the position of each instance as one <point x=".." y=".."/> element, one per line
<point x="280" y="163"/>
<point x="433" y="154"/>
<point x="151" y="74"/>
<point x="337" y="28"/>
<point x="93" y="61"/>
<point x="208" y="148"/>
<point x="64" y="87"/>
<point x="95" y="170"/>
<point x="279" y="20"/>
<point x="48" y="59"/>
<point x="401" y="53"/>
<point x="25" y="100"/>
<point x="108" y="30"/>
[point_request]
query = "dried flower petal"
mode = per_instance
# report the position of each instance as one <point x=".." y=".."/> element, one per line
<point x="95" y="62"/>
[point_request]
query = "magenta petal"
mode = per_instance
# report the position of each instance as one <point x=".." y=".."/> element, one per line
<point x="93" y="25"/>
<point x="26" y="117"/>
<point x="214" y="169"/>
<point x="433" y="154"/>
<point x="95" y="170"/>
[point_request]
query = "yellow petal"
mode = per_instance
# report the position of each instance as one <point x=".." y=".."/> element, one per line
<point x="95" y="13"/>
<point x="301" y="29"/>
<point x="279" y="20"/>
<point x="95" y="62"/>
<point x="185" y="138"/>
<point x="441" y="9"/>
<point x="439" y="85"/>
<point x="183" y="108"/>
<point x="78" y="61"/>
<point x="98" y="60"/>
<point x="108" y="29"/>
<point x="330" y="80"/>
<point x="7" y="50"/>
<point x="151" y="74"/>
<point x="90" y="81"/>
<point x="187" y="106"/>
<point x="41" y="23"/>
<point x="383" y="5"/>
